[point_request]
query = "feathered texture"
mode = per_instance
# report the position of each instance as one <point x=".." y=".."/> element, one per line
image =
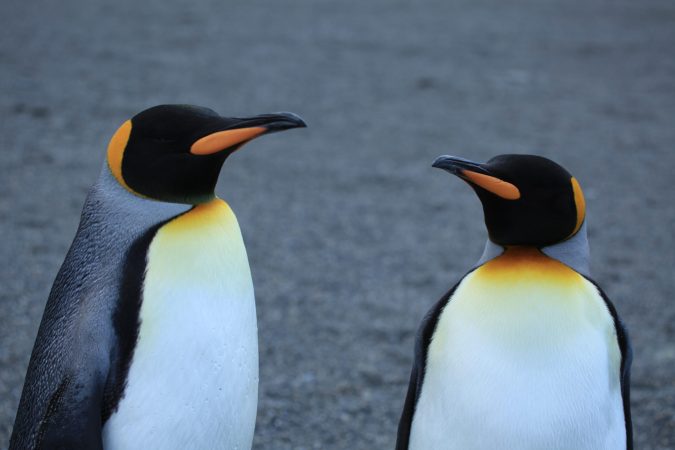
<point x="63" y="396"/>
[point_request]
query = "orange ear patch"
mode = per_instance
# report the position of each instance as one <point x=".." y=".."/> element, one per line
<point x="580" y="204"/>
<point x="116" y="147"/>
<point x="221" y="140"/>
<point x="498" y="187"/>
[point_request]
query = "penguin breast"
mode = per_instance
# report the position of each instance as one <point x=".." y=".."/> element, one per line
<point x="193" y="378"/>
<point x="524" y="355"/>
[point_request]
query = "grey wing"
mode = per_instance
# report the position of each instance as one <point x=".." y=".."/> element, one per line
<point x="60" y="405"/>
<point x="424" y="335"/>
<point x="85" y="343"/>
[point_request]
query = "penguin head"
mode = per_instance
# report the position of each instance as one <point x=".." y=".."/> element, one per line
<point x="174" y="153"/>
<point x="527" y="199"/>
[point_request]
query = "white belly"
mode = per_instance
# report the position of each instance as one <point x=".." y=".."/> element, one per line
<point x="527" y="365"/>
<point x="193" y="381"/>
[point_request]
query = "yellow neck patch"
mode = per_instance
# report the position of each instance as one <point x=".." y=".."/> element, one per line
<point x="527" y="264"/>
<point x="580" y="204"/>
<point x="215" y="213"/>
<point x="116" y="147"/>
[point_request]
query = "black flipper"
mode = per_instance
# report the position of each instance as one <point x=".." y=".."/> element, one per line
<point x="626" y="360"/>
<point x="424" y="334"/>
<point x="60" y="406"/>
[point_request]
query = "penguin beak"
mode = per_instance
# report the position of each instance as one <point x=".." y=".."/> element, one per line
<point x="229" y="134"/>
<point x="477" y="175"/>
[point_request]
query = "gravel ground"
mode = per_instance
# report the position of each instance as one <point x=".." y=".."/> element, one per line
<point x="351" y="235"/>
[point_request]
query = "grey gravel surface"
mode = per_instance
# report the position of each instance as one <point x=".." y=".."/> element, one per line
<point x="351" y="235"/>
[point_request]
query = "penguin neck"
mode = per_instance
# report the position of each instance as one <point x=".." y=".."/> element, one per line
<point x="115" y="201"/>
<point x="573" y="252"/>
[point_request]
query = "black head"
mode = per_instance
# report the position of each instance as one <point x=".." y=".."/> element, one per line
<point x="174" y="153"/>
<point x="527" y="199"/>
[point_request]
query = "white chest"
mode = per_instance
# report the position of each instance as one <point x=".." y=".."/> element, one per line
<point x="525" y="361"/>
<point x="193" y="380"/>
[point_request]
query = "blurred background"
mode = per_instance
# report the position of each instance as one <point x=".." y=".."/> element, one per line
<point x="352" y="236"/>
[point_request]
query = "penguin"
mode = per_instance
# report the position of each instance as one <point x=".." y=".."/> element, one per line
<point x="526" y="351"/>
<point x="149" y="335"/>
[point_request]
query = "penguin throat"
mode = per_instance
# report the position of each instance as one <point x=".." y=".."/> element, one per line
<point x="525" y="262"/>
<point x="573" y="252"/>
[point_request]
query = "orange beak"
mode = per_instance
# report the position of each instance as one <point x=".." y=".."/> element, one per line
<point x="476" y="174"/>
<point x="243" y="130"/>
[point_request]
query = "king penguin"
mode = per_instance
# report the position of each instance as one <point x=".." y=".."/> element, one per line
<point x="526" y="351"/>
<point x="149" y="336"/>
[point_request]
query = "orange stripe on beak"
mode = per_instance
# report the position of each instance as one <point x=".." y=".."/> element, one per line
<point x="221" y="140"/>
<point x="498" y="187"/>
